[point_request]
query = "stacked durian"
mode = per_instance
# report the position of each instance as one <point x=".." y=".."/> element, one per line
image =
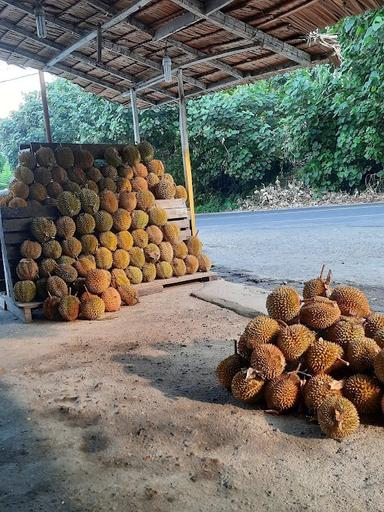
<point x="323" y="354"/>
<point x="109" y="235"/>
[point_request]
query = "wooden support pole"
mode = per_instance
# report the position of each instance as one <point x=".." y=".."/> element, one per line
<point x="44" y="101"/>
<point x="135" y="116"/>
<point x="185" y="150"/>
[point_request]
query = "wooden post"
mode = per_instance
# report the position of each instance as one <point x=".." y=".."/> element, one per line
<point x="185" y="150"/>
<point x="135" y="116"/>
<point x="44" y="101"/>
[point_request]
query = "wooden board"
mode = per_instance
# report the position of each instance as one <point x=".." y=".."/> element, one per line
<point x="160" y="284"/>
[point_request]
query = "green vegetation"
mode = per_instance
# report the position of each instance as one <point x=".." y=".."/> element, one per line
<point x="323" y="126"/>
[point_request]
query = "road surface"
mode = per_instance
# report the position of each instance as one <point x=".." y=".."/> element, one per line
<point x="293" y="244"/>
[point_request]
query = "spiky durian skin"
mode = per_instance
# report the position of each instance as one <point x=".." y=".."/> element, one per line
<point x="149" y="272"/>
<point x="171" y="232"/>
<point x="191" y="263"/>
<point x="119" y="278"/>
<point x="158" y="216"/>
<point x="194" y="245"/>
<point x="46" y="267"/>
<point x="97" y="280"/>
<point x="57" y="287"/>
<point x="344" y="331"/>
<point x="137" y="257"/>
<point x="54" y="189"/>
<point x="318" y="388"/>
<point x="338" y="417"/>
<point x="155" y="235"/>
<point x="107" y="185"/>
<point x="43" y="229"/>
<point x="140" y="238"/>
<point x="130" y="155"/>
<point x="180" y="250"/>
<point x="123" y="185"/>
<point x="140" y="170"/>
<point x="84" y="158"/>
<point x="67" y="273"/>
<point x="283" y="392"/>
<point x="24" y="174"/>
<point x="379" y="338"/>
<point x="152" y="180"/>
<point x="91" y="185"/>
<point x="319" y="313"/>
<point x="140" y="219"/>
<point x="228" y="368"/>
<point x="134" y="274"/>
<point x="314" y="288"/>
<point x="121" y="220"/>
<point x="90" y="201"/>
<point x="24" y="291"/>
<point x="164" y="270"/>
<point x="94" y="174"/>
<point x="260" y="329"/>
<point x="283" y="303"/>
<point x="112" y="156"/>
<point x="145" y="200"/>
<point x="156" y="167"/>
<point x="42" y="175"/>
<point x="152" y="253"/>
<point x="111" y="299"/>
<point x="364" y="392"/>
<point x="89" y="244"/>
<point x="179" y="268"/>
<point x="268" y="361"/>
<point x="83" y="265"/>
<point x="68" y="204"/>
<point x="51" y="308"/>
<point x="37" y="192"/>
<point x="181" y="192"/>
<point x="120" y="259"/>
<point x="31" y="249"/>
<point x="351" y="301"/>
<point x="127" y="200"/>
<point x="138" y="183"/>
<point x="124" y="240"/>
<point x="205" y="263"/>
<point x="109" y="171"/>
<point x="294" y="340"/>
<point x="378" y="365"/>
<point x="323" y="356"/>
<point x="65" y="157"/>
<point x="165" y="190"/>
<point x="146" y="150"/>
<point x="52" y="249"/>
<point x="128" y="295"/>
<point x="27" y="158"/>
<point x="103" y="220"/>
<point x="69" y="308"/>
<point x="248" y="391"/>
<point x="373" y="324"/>
<point x="108" y="201"/>
<point x="71" y="247"/>
<point x="85" y="224"/>
<point x="17" y="202"/>
<point x="108" y="240"/>
<point x="66" y="227"/>
<point x="27" y="269"/>
<point x="92" y="308"/>
<point x="104" y="259"/>
<point x="166" y="251"/>
<point x="45" y="157"/>
<point x="361" y="353"/>
<point x="59" y="174"/>
<point x="71" y="186"/>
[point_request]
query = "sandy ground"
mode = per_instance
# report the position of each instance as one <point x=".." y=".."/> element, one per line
<point x="127" y="416"/>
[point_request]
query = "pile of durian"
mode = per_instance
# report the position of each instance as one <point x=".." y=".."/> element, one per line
<point x="323" y="354"/>
<point x="109" y="234"/>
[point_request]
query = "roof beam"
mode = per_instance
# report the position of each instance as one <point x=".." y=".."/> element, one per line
<point x="245" y="31"/>
<point x="222" y="55"/>
<point x="115" y="20"/>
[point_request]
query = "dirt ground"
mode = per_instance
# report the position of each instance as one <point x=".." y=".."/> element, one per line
<point x="126" y="415"/>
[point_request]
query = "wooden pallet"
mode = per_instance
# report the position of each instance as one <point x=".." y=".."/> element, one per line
<point x="161" y="284"/>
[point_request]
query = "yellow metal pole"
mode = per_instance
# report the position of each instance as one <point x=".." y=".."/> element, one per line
<point x="185" y="150"/>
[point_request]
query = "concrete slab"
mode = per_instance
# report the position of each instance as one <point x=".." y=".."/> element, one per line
<point x="248" y="301"/>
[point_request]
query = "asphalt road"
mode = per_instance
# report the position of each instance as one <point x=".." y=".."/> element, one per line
<point x="293" y="244"/>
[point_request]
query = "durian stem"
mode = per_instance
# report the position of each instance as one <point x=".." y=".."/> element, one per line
<point x="235" y="346"/>
<point x="343" y="361"/>
<point x="322" y="271"/>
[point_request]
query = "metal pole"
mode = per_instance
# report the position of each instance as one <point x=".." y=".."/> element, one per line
<point x="135" y="116"/>
<point x="44" y="101"/>
<point x="185" y="150"/>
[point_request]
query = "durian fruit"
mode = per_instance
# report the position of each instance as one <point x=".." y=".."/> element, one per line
<point x="109" y="240"/>
<point x="165" y="189"/>
<point x="192" y="264"/>
<point x="364" y="392"/>
<point x="45" y="157"/>
<point x="51" y="308"/>
<point x="107" y="184"/>
<point x="24" y="291"/>
<point x="140" y="238"/>
<point x="66" y="260"/>
<point x="324" y="356"/>
<point x="43" y="229"/>
<point x="164" y="270"/>
<point x="180" y="250"/>
<point x="24" y="175"/>
<point x="155" y="235"/>
<point x="111" y="299"/>
<point x="283" y="304"/>
<point x="68" y="204"/>
<point x="50" y="201"/>
<point x="205" y="263"/>
<point x="125" y="171"/>
<point x="319" y="313"/>
<point x="119" y="278"/>
<point x="57" y="287"/>
<point x="47" y="267"/>
<point x="127" y="200"/>
<point x="89" y="244"/>
<point x="179" y="268"/>
<point x="156" y="167"/>
<point x="124" y="240"/>
<point x="247" y="386"/>
<point x="109" y="171"/>
<point x="140" y="170"/>
<point x="378" y="365"/>
<point x="194" y="245"/>
<point x="59" y="175"/>
<point x="149" y="272"/>
<point x="260" y="329"/>
<point x="92" y="307"/>
<point x="67" y="273"/>
<point x="145" y="200"/>
<point x="77" y="175"/>
<point x="66" y="227"/>
<point x="69" y="308"/>
<point x="54" y="189"/>
<point x="130" y="155"/>
<point x="338" y="417"/>
<point x="351" y="301"/>
<point x="137" y="257"/>
<point x="27" y="158"/>
<point x="94" y="174"/>
<point x="152" y="253"/>
<point x="294" y="340"/>
<point x="31" y="202"/>
<point x="65" y="157"/>
<point x="379" y="338"/>
<point x="112" y="156"/>
<point x="171" y="232"/>
<point x="166" y="251"/>
<point x="30" y="249"/>
<point x="85" y="224"/>
<point x="52" y="249"/>
<point x="71" y="247"/>
<point x="17" y="202"/>
<point x="318" y="287"/>
<point x="121" y="220"/>
<point x="373" y="324"/>
<point x="128" y="295"/>
<point x="104" y="221"/>
<point x="139" y="184"/>
<point x="344" y="331"/>
<point x="361" y="353"/>
<point x="181" y="192"/>
<point x="121" y="259"/>
<point x="228" y="368"/>
<point x="37" y="192"/>
<point x="134" y="274"/>
<point x="283" y="392"/>
<point x="139" y="219"/>
<point x="318" y="388"/>
<point x="42" y="175"/>
<point x="108" y="201"/>
<point x="123" y="185"/>
<point x="84" y="159"/>
<point x="168" y="177"/>
<point x="268" y="361"/>
<point x="152" y="180"/>
<point x="83" y="265"/>
<point x="98" y="280"/>
<point x="104" y="259"/>
<point x="71" y="186"/>
<point x="78" y="286"/>
<point x="146" y="150"/>
<point x="90" y="201"/>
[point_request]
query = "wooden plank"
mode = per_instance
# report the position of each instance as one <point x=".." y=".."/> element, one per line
<point x="176" y="213"/>
<point x="29" y="211"/>
<point x="12" y="225"/>
<point x="185" y="233"/>
<point x="198" y="276"/>
<point x="184" y="223"/>
<point x="4" y="251"/>
<point x="16" y="238"/>
<point x="170" y="203"/>
<point x="149" y="288"/>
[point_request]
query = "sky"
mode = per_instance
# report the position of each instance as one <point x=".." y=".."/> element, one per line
<point x="15" y="81"/>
